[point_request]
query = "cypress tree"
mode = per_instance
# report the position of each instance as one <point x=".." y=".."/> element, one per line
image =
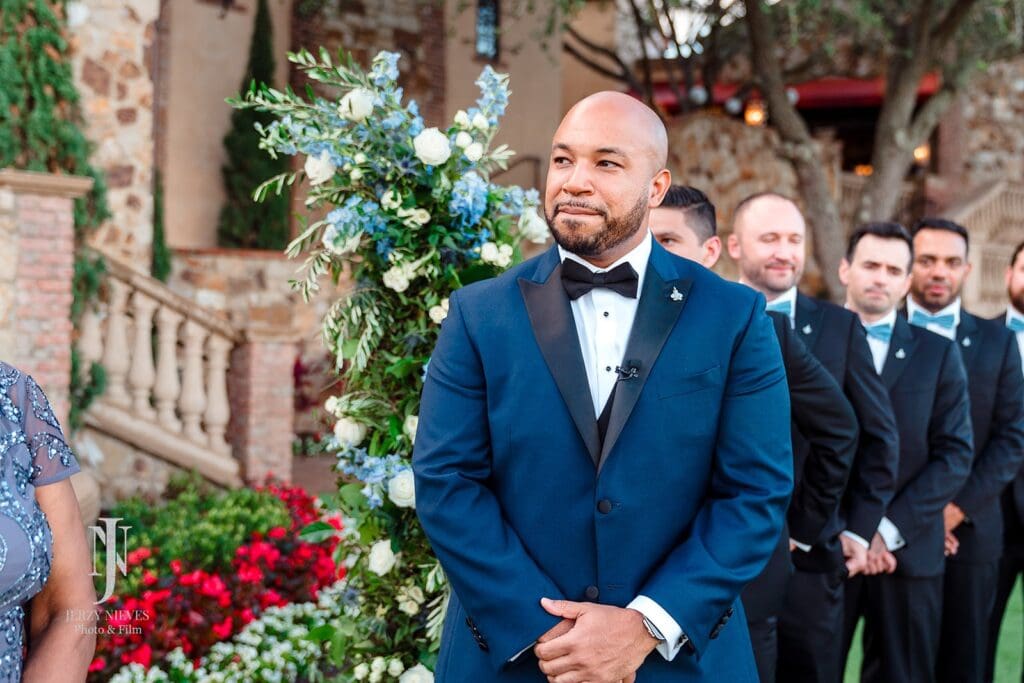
<point x="244" y="223"/>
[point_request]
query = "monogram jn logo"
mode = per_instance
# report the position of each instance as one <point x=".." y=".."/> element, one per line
<point x="115" y="561"/>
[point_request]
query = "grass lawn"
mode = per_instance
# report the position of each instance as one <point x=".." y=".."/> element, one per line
<point x="1011" y="658"/>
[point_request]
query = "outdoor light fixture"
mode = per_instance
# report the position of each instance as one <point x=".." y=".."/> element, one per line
<point x="863" y="170"/>
<point x="923" y="154"/>
<point x="755" y="113"/>
<point x="734" y="105"/>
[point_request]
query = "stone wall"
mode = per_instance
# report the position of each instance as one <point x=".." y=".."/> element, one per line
<point x="993" y="124"/>
<point x="110" y="44"/>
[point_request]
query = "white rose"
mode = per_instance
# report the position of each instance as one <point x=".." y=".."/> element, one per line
<point x="474" y="151"/>
<point x="349" y="432"/>
<point x="463" y="140"/>
<point x="359" y="158"/>
<point x="503" y="260"/>
<point x="480" y="121"/>
<point x="415" y="593"/>
<point x="432" y="147"/>
<point x="409" y="607"/>
<point x="356" y="175"/>
<point x="532" y="227"/>
<point x="489" y="252"/>
<point x="376" y="676"/>
<point x="462" y="119"/>
<point x="331" y="404"/>
<point x="395" y="668"/>
<point x="378" y="664"/>
<point x="396" y="278"/>
<point x="360" y="672"/>
<point x="391" y="200"/>
<point x="320" y="169"/>
<point x="417" y="674"/>
<point x="381" y="559"/>
<point x="437" y="314"/>
<point x="356" y="105"/>
<point x="402" y="489"/>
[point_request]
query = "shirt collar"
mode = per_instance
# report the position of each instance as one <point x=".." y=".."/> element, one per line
<point x="637" y="258"/>
<point x="952" y="309"/>
<point x="889" y="320"/>
<point x="1013" y="314"/>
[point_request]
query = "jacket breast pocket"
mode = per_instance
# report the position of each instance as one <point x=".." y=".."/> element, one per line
<point x="671" y="384"/>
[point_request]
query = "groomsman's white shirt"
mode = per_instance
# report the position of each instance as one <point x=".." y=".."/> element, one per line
<point x="603" y="322"/>
<point x="1013" y="314"/>
<point x="952" y="309"/>
<point x="879" y="352"/>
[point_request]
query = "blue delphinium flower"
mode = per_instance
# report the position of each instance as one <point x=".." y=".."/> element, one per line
<point x="385" y="68"/>
<point x="493" y="94"/>
<point x="469" y="199"/>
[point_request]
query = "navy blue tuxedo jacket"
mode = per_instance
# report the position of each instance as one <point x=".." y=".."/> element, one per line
<point x="992" y="359"/>
<point x="682" y="502"/>
<point x="836" y="337"/>
<point x="927" y="386"/>
<point x="1013" y="500"/>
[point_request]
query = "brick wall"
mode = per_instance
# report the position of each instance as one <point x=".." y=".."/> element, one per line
<point x="36" y="268"/>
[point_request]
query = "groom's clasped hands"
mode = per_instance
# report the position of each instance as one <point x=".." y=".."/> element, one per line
<point x="593" y="643"/>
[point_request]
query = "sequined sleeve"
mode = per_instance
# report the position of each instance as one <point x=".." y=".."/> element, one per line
<point x="52" y="459"/>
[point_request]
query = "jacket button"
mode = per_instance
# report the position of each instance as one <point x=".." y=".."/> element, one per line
<point x="592" y="593"/>
<point x="604" y="506"/>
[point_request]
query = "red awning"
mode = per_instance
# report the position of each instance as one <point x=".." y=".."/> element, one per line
<point x="816" y="94"/>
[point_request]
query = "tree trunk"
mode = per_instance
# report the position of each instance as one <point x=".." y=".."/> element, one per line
<point x="821" y="211"/>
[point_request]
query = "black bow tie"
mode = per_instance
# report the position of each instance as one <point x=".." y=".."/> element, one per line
<point x="578" y="279"/>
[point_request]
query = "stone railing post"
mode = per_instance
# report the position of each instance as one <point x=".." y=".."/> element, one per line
<point x="261" y="387"/>
<point x="37" y="254"/>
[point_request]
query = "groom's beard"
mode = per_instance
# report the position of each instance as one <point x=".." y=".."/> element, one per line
<point x="615" y="231"/>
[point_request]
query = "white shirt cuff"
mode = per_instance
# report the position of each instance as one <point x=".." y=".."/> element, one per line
<point x="890" y="534"/>
<point x="663" y="622"/>
<point x="858" y="539"/>
<point x="800" y="546"/>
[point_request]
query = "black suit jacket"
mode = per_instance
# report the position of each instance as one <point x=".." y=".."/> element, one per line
<point x="824" y="442"/>
<point x="927" y="385"/>
<point x="1013" y="500"/>
<point x="836" y="337"/>
<point x="992" y="360"/>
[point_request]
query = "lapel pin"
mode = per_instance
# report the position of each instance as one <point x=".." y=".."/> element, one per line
<point x="676" y="295"/>
<point x="807" y="329"/>
<point x="901" y="354"/>
<point x="967" y="341"/>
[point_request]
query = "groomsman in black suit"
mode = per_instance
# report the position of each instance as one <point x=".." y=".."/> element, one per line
<point x="768" y="245"/>
<point x="824" y="427"/>
<point x="1011" y="566"/>
<point x="974" y="523"/>
<point x="924" y="374"/>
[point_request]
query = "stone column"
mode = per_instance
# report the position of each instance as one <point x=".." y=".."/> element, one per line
<point x="37" y="253"/>
<point x="261" y="387"/>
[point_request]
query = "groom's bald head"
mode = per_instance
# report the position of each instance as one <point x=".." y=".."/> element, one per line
<point x="616" y="116"/>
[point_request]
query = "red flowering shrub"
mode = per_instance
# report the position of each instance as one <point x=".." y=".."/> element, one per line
<point x="178" y="605"/>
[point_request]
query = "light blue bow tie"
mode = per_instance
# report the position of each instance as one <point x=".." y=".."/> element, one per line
<point x="881" y="331"/>
<point x="785" y="307"/>
<point x="1015" y="324"/>
<point x="922" y="319"/>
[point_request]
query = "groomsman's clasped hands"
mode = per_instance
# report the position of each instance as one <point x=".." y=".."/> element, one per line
<point x="630" y="471"/>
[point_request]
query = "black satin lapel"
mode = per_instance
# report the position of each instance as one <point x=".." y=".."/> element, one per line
<point x="551" y="319"/>
<point x="656" y="313"/>
<point x="901" y="346"/>
<point x="968" y="339"/>
<point x="808" y="320"/>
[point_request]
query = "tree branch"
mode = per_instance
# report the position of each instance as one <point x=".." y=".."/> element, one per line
<point x="949" y="25"/>
<point x="594" y="66"/>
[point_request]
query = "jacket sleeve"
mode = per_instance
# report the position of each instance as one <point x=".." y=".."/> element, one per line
<point x="737" y="528"/>
<point x="873" y="479"/>
<point x="950" y="449"/>
<point x="494" y="577"/>
<point x="999" y="460"/>
<point x="827" y="422"/>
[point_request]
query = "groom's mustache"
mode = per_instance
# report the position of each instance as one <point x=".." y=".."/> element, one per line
<point x="580" y="205"/>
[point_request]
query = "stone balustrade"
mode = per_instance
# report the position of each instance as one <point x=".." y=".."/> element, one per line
<point x="166" y="361"/>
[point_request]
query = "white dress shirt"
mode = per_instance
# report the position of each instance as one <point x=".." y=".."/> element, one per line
<point x="953" y="309"/>
<point x="604" y="319"/>
<point x="1013" y="314"/>
<point x="879" y="348"/>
